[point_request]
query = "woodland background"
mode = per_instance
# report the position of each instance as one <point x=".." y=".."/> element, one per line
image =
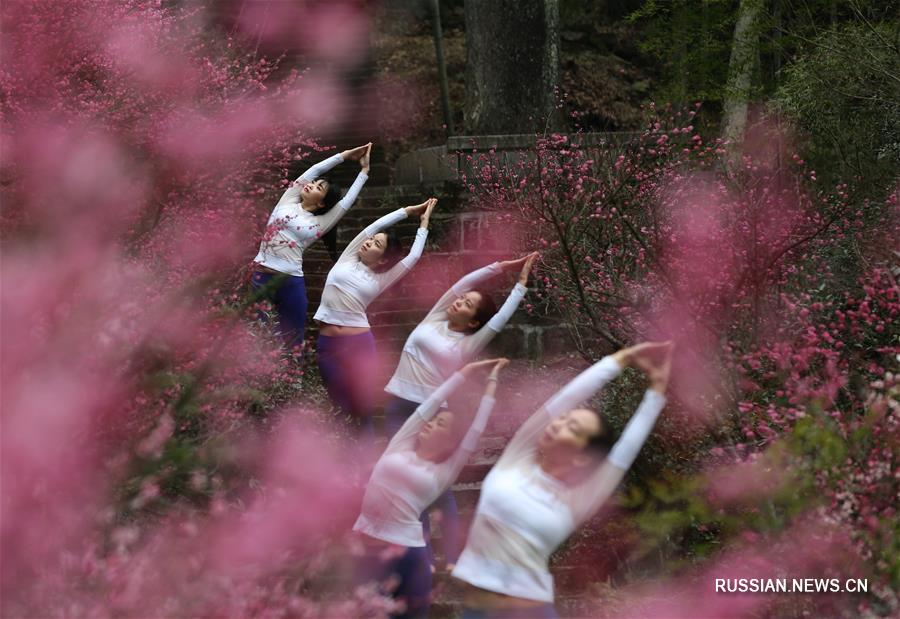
<point x="718" y="172"/>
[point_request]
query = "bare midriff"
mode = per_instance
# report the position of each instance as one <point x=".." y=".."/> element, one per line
<point x="476" y="597"/>
<point x="340" y="330"/>
<point x="372" y="543"/>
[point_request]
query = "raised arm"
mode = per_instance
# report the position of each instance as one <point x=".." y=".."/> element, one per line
<point x="292" y="195"/>
<point x="476" y="342"/>
<point x="315" y="171"/>
<point x="327" y="221"/>
<point x="470" y="440"/>
<point x="452" y="466"/>
<point x="406" y="435"/>
<point x="465" y="284"/>
<point x="656" y="361"/>
<point x="371" y="230"/>
<point x="403" y="267"/>
<point x="634" y="435"/>
<point x="576" y="391"/>
<point x="594" y="492"/>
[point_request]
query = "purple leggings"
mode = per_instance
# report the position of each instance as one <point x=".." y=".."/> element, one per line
<point x="412" y="571"/>
<point x="349" y="368"/>
<point x="288" y="294"/>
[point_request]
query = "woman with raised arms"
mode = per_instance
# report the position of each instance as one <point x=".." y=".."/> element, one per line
<point x="419" y="464"/>
<point x="462" y="322"/>
<point x="304" y="213"/>
<point x="345" y="350"/>
<point x="556" y="472"/>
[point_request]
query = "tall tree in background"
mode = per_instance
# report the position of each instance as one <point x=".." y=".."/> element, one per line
<point x="512" y="69"/>
<point x="744" y="54"/>
<point x="844" y="93"/>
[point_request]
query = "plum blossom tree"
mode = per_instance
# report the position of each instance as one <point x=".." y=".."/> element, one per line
<point x="141" y="151"/>
<point x="779" y="293"/>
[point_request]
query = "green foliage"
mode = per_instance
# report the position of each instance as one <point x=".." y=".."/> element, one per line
<point x="845" y="94"/>
<point x="685" y="520"/>
<point x="691" y="41"/>
<point x="575" y="13"/>
<point x="815" y="46"/>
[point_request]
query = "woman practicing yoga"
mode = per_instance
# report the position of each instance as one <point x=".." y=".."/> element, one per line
<point x="556" y="472"/>
<point x="458" y="327"/>
<point x="345" y="350"/>
<point x="419" y="464"/>
<point x="304" y="213"/>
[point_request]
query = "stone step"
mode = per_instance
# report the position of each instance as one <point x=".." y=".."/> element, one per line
<point x="449" y="162"/>
<point x="406" y="230"/>
<point x="345" y="173"/>
<point x="434" y="274"/>
<point x="397" y="312"/>
<point x="413" y="193"/>
<point x="399" y="318"/>
<point x="448" y="601"/>
<point x="351" y="225"/>
<point x="392" y="337"/>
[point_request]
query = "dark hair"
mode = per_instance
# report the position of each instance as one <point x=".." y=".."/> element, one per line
<point x="458" y="431"/>
<point x="600" y="443"/>
<point x="393" y="251"/>
<point x="331" y="198"/>
<point x="485" y="310"/>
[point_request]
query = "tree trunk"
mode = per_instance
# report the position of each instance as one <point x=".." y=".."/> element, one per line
<point x="744" y="52"/>
<point x="512" y="68"/>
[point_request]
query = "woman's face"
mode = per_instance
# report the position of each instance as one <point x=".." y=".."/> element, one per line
<point x="437" y="435"/>
<point x="462" y="311"/>
<point x="314" y="192"/>
<point x="570" y="433"/>
<point x="372" y="250"/>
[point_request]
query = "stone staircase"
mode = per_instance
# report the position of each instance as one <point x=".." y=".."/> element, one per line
<point x="396" y="312"/>
<point x="448" y="255"/>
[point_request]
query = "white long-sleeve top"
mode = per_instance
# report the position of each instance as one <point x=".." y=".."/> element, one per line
<point x="524" y="514"/>
<point x="291" y="229"/>
<point x="433" y="351"/>
<point x="351" y="286"/>
<point x="403" y="485"/>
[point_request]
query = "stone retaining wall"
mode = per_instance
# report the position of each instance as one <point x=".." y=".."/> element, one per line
<point x="450" y="162"/>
